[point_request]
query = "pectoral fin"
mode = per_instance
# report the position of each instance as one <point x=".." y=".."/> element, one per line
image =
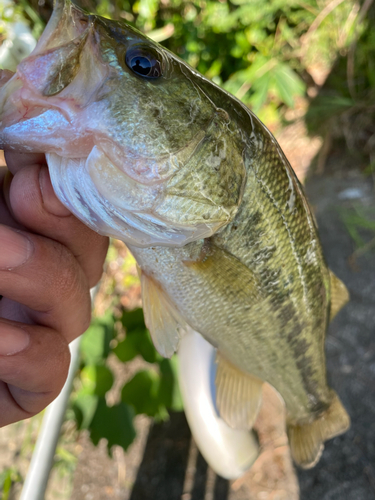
<point x="228" y="276"/>
<point x="238" y="395"/>
<point x="161" y="316"/>
<point x="339" y="294"/>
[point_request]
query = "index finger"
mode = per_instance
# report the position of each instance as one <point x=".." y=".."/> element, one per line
<point x="36" y="207"/>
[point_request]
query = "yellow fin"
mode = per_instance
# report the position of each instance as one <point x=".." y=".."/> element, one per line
<point x="228" y="275"/>
<point x="307" y="440"/>
<point x="238" y="395"/>
<point x="339" y="294"/>
<point x="161" y="317"/>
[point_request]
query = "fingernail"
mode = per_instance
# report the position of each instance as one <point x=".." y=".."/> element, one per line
<point x="12" y="339"/>
<point x="15" y="248"/>
<point x="51" y="203"/>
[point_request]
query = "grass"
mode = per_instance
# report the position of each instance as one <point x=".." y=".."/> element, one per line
<point x="359" y="221"/>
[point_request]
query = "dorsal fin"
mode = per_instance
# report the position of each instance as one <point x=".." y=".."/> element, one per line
<point x="339" y="294"/>
<point x="161" y="316"/>
<point x="238" y="395"/>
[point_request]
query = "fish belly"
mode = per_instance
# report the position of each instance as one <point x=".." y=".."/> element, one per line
<point x="221" y="299"/>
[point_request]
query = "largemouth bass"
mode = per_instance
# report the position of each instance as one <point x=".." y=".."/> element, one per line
<point x="143" y="148"/>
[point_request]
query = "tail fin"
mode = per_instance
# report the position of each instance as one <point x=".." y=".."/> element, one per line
<point x="307" y="440"/>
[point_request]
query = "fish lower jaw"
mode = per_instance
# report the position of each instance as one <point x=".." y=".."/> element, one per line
<point x="113" y="204"/>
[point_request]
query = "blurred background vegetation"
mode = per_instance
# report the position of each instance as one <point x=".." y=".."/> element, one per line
<point x="288" y="60"/>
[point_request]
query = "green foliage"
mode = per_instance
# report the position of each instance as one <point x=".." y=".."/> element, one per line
<point x="97" y="379"/>
<point x="360" y="224"/>
<point x="154" y="392"/>
<point x="141" y="392"/>
<point x="137" y="341"/>
<point x="344" y="107"/>
<point x="169" y="393"/>
<point x="8" y="477"/>
<point x="22" y="11"/>
<point x="64" y="461"/>
<point x="151" y="391"/>
<point x="96" y="341"/>
<point x="113" y="423"/>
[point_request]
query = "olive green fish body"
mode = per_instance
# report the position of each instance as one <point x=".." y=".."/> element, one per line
<point x="260" y="291"/>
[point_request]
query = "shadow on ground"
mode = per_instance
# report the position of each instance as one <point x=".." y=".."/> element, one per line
<point x="167" y="471"/>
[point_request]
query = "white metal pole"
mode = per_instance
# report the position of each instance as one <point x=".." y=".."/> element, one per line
<point x="37" y="477"/>
<point x="41" y="462"/>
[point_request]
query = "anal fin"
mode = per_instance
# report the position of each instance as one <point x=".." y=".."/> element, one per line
<point x="238" y="395"/>
<point x="307" y="440"/>
<point x="339" y="294"/>
<point x="161" y="317"/>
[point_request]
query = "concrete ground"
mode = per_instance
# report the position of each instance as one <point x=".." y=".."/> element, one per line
<point x="347" y="467"/>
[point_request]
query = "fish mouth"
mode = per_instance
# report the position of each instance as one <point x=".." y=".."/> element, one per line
<point x="48" y="85"/>
<point x="67" y="22"/>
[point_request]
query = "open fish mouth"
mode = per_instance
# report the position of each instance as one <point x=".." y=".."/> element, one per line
<point x="39" y="99"/>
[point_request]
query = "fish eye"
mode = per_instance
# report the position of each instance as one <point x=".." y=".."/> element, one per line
<point x="143" y="62"/>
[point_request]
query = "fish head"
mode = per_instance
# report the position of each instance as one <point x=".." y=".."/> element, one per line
<point x="136" y="149"/>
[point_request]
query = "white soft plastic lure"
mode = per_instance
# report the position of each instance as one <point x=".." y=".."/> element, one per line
<point x="230" y="452"/>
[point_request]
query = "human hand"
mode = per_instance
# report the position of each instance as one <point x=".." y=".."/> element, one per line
<point x="48" y="262"/>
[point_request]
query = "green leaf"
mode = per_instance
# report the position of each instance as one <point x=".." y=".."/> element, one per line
<point x="287" y="84"/>
<point x="169" y="392"/>
<point x="96" y="379"/>
<point x="95" y="342"/>
<point x="126" y="349"/>
<point x="8" y="477"/>
<point x="84" y="408"/>
<point x="6" y="487"/>
<point x="104" y="380"/>
<point x="260" y="92"/>
<point x="64" y="455"/>
<point x="137" y="342"/>
<point x="141" y="392"/>
<point x="113" y="423"/>
<point x="146" y="348"/>
<point x="132" y="320"/>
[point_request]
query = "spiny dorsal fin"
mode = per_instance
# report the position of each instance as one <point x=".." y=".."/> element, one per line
<point x="339" y="294"/>
<point x="307" y="440"/>
<point x="161" y="317"/>
<point x="238" y="395"/>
